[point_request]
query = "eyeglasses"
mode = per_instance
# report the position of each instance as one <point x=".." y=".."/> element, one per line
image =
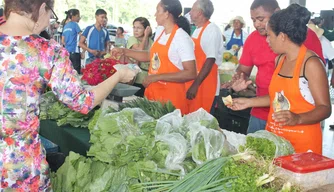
<point x="53" y="13"/>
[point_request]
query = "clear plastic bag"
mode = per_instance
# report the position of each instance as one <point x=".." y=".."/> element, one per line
<point x="177" y="151"/>
<point x="283" y="146"/>
<point x="169" y="123"/>
<point x="202" y="116"/>
<point x="235" y="139"/>
<point x="207" y="144"/>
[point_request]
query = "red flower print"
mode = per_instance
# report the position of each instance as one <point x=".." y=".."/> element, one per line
<point x="21" y="80"/>
<point x="9" y="141"/>
<point x="18" y="182"/>
<point x="47" y="75"/>
<point x="5" y="64"/>
<point x="17" y="37"/>
<point x="20" y="58"/>
<point x="6" y="42"/>
<point x="9" y="131"/>
<point x="45" y="46"/>
<point x="4" y="184"/>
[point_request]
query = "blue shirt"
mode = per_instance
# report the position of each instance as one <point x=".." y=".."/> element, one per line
<point x="71" y="34"/>
<point x="96" y="39"/>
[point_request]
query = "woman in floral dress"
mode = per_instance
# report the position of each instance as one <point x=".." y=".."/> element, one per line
<point x="29" y="63"/>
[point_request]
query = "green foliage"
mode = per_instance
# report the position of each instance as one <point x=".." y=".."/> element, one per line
<point x="263" y="147"/>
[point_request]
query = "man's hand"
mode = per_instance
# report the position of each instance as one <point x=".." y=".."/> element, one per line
<point x="239" y="82"/>
<point x="192" y="92"/>
<point x="150" y="79"/>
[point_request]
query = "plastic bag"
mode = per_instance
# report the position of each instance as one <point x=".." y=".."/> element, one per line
<point x="207" y="144"/>
<point x="235" y="139"/>
<point x="169" y="123"/>
<point x="283" y="146"/>
<point x="177" y="151"/>
<point x="202" y="116"/>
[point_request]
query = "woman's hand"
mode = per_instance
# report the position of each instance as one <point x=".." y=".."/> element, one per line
<point x="147" y="31"/>
<point x="125" y="74"/>
<point x="150" y="79"/>
<point x="286" y="118"/>
<point x="240" y="104"/>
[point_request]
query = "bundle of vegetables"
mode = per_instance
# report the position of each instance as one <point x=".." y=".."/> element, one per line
<point x="204" y="178"/>
<point x="154" y="109"/>
<point x="51" y="108"/>
<point x="79" y="173"/>
<point x="267" y="145"/>
<point x="99" y="70"/>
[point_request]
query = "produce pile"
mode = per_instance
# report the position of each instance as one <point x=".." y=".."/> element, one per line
<point x="51" y="108"/>
<point x="134" y="151"/>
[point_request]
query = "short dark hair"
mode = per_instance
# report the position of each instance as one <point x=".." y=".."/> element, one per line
<point x="121" y="28"/>
<point x="292" y="21"/>
<point x="268" y="5"/>
<point x="100" y="12"/>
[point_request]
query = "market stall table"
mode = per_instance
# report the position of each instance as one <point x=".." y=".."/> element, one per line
<point x="68" y="138"/>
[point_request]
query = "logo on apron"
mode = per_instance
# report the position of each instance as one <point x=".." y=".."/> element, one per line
<point x="155" y="63"/>
<point x="280" y="102"/>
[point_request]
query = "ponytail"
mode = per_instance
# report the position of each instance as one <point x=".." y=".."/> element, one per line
<point x="183" y="23"/>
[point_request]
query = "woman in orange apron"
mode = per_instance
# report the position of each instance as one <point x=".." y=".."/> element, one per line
<point x="172" y="59"/>
<point x="298" y="92"/>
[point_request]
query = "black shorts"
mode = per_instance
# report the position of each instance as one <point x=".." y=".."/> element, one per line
<point x="76" y="61"/>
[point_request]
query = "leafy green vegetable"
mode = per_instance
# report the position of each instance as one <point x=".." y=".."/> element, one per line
<point x="154" y="109"/>
<point x="263" y="147"/>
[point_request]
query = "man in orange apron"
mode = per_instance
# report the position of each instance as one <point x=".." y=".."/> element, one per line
<point x="208" y="51"/>
<point x="160" y="64"/>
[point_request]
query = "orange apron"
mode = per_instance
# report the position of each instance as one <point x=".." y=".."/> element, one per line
<point x="160" y="64"/>
<point x="302" y="137"/>
<point x="207" y="90"/>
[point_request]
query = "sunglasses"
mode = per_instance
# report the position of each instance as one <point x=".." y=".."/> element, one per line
<point x="54" y="15"/>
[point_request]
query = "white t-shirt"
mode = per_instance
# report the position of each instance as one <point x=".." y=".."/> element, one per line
<point x="213" y="45"/>
<point x="228" y="35"/>
<point x="181" y="48"/>
<point x="327" y="48"/>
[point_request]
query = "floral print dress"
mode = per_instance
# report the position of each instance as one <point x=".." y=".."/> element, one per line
<point x="27" y="65"/>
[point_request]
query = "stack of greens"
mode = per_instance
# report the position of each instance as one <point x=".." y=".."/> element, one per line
<point x="154" y="109"/>
<point x="51" y="108"/>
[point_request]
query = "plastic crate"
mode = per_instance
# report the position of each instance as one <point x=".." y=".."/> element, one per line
<point x="308" y="170"/>
<point x="49" y="146"/>
<point x="228" y="119"/>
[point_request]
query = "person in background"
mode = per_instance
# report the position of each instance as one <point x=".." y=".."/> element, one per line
<point x="120" y="40"/>
<point x="209" y="47"/>
<point x="171" y="55"/>
<point x="319" y="21"/>
<point x="235" y="37"/>
<point x="70" y="38"/>
<point x="95" y="38"/>
<point x="327" y="48"/>
<point x="298" y="91"/>
<point x="256" y="51"/>
<point x="35" y="64"/>
<point x="141" y="40"/>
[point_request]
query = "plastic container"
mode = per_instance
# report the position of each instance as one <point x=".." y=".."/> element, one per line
<point x="124" y="90"/>
<point x="308" y="170"/>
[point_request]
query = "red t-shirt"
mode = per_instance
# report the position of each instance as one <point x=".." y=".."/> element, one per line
<point x="256" y="51"/>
